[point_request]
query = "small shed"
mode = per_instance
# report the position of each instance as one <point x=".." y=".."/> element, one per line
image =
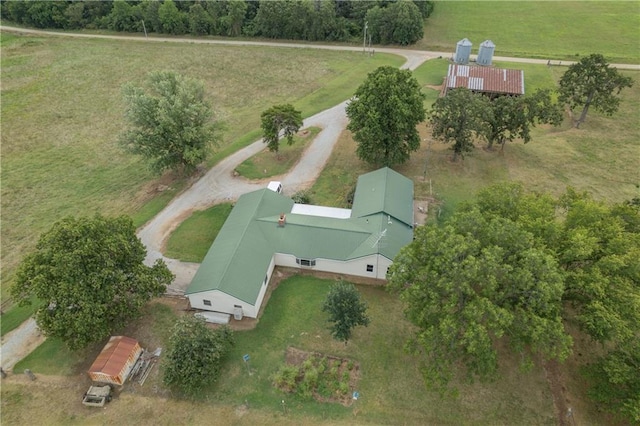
<point x="116" y="360"/>
<point x="463" y="51"/>
<point x="485" y="54"/>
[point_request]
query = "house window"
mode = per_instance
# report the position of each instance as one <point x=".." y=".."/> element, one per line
<point x="206" y="302"/>
<point x="369" y="268"/>
<point x="306" y="262"/>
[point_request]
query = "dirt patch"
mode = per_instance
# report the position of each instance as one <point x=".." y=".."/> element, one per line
<point x="422" y="208"/>
<point x="336" y="377"/>
<point x="558" y="390"/>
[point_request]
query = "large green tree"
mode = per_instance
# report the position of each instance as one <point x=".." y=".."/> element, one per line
<point x="88" y="278"/>
<point x="171" y="122"/>
<point x="346" y="310"/>
<point x="509" y="118"/>
<point x="383" y="115"/>
<point x="599" y="249"/>
<point x="398" y="22"/>
<point x="475" y="280"/>
<point x="195" y="354"/>
<point x="458" y="118"/>
<point x="591" y="82"/>
<point x="280" y="119"/>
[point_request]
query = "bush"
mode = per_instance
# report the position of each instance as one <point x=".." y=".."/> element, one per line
<point x="302" y="197"/>
<point x="195" y="354"/>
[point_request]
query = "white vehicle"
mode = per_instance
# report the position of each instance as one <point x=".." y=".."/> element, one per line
<point x="275" y="186"/>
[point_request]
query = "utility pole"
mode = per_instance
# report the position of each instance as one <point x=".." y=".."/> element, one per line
<point x="364" y="41"/>
<point x="145" y="28"/>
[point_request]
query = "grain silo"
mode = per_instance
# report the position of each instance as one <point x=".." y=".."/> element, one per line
<point x="463" y="51"/>
<point x="485" y="54"/>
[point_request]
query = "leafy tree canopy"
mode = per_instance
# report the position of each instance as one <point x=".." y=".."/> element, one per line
<point x="383" y="115"/>
<point x="195" y="354"/>
<point x="171" y="122"/>
<point x="509" y="118"/>
<point x="472" y="281"/>
<point x="346" y="310"/>
<point x="89" y="279"/>
<point x="399" y="22"/>
<point x="511" y="264"/>
<point x="458" y="118"/>
<point x="279" y="119"/>
<point x="591" y="82"/>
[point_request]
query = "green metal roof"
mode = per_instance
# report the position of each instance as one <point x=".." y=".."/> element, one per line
<point x="238" y="251"/>
<point x="384" y="190"/>
<point x="381" y="222"/>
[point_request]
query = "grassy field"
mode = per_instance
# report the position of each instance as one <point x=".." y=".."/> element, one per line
<point x="390" y="383"/>
<point x="602" y="157"/>
<point x="193" y="237"/>
<point x="62" y="111"/>
<point x="55" y="163"/>
<point x="538" y="29"/>
<point x="268" y="164"/>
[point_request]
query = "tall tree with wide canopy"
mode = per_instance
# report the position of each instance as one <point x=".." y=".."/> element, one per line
<point x="476" y="279"/>
<point x="458" y="118"/>
<point x="383" y="115"/>
<point x="172" y="122"/>
<point x="279" y="119"/>
<point x="88" y="278"/>
<point x="591" y="82"/>
<point x="510" y="118"/>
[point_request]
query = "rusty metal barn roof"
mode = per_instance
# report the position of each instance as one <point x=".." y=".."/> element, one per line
<point x="485" y="79"/>
<point x="114" y="355"/>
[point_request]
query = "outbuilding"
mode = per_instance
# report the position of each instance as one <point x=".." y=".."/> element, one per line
<point x="115" y="361"/>
<point x="489" y="81"/>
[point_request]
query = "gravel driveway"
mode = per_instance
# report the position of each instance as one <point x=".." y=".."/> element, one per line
<point x="219" y="184"/>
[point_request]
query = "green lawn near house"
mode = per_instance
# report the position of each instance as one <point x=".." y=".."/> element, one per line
<point x="191" y="240"/>
<point x="267" y="164"/>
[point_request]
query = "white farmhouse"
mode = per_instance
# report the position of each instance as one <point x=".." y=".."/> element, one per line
<point x="267" y="229"/>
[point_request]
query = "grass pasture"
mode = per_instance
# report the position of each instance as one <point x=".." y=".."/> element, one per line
<point x="538" y="29"/>
<point x="602" y="157"/>
<point x="62" y="111"/>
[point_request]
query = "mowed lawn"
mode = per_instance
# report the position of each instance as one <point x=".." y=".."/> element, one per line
<point x="391" y="388"/>
<point x="538" y="29"/>
<point x="62" y="112"/>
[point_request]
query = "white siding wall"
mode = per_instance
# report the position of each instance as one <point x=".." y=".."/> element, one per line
<point x="220" y="302"/>
<point x="356" y="267"/>
<point x="263" y="290"/>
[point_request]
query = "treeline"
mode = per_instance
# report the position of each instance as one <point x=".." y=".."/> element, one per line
<point x="388" y="21"/>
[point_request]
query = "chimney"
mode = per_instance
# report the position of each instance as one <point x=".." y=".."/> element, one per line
<point x="282" y="219"/>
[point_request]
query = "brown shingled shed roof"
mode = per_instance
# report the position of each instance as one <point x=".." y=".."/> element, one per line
<point x="485" y="79"/>
<point x="114" y="356"/>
